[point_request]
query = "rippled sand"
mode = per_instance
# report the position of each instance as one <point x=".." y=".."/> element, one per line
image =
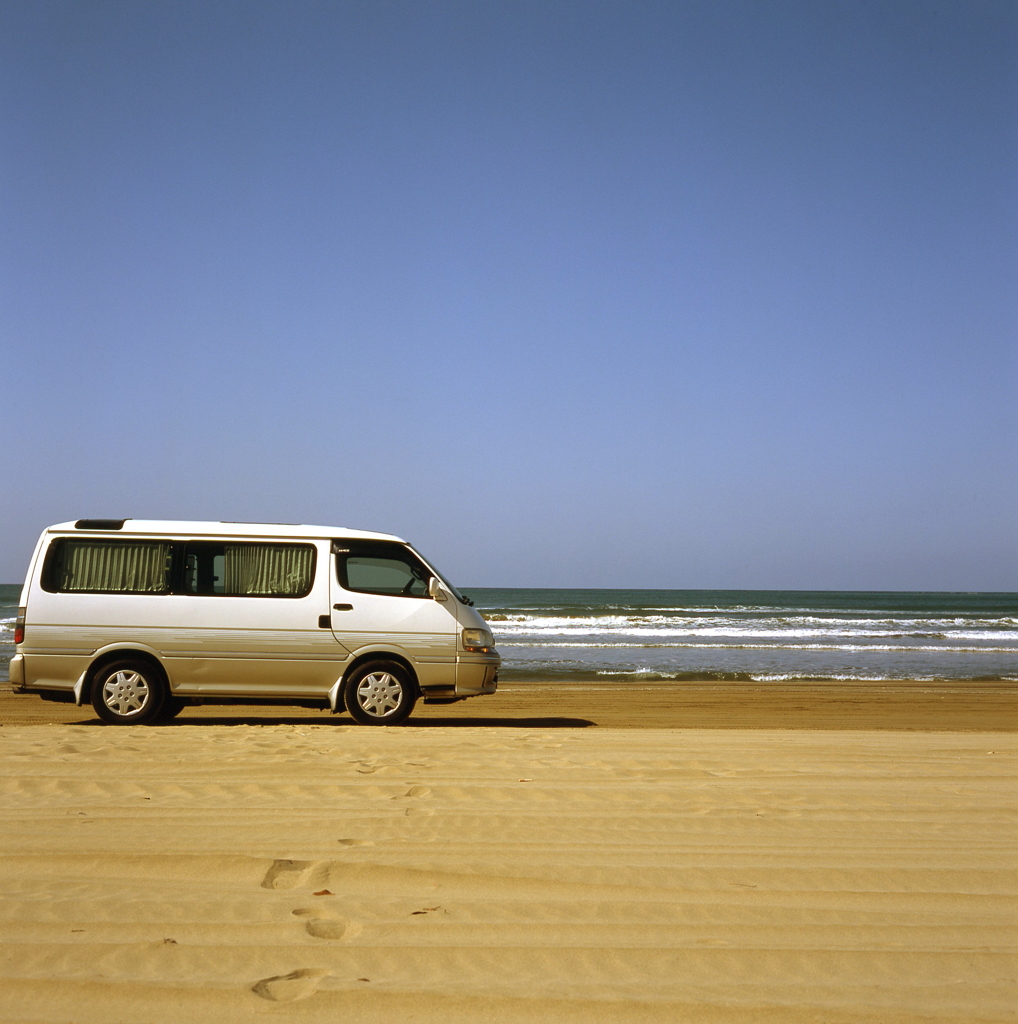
<point x="300" y="868"/>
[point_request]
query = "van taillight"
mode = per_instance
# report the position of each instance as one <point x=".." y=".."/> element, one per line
<point x="19" y="627"/>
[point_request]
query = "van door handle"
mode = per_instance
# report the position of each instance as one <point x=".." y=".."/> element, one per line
<point x="343" y="607"/>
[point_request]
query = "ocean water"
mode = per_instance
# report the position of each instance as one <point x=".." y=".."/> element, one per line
<point x="633" y="635"/>
<point x="9" y="594"/>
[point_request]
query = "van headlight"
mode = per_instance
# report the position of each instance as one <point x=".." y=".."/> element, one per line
<point x="478" y="639"/>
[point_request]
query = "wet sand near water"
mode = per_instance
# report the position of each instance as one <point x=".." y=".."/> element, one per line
<point x="540" y="855"/>
<point x="895" y="704"/>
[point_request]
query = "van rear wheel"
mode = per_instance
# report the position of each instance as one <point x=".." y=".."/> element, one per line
<point x="128" y="692"/>
<point x="380" y="693"/>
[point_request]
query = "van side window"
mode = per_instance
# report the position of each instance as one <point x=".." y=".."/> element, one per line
<point x="380" y="569"/>
<point x="109" y="566"/>
<point x="248" y="570"/>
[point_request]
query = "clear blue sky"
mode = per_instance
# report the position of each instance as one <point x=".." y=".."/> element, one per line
<point x="643" y="294"/>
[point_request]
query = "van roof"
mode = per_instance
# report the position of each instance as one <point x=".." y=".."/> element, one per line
<point x="187" y="528"/>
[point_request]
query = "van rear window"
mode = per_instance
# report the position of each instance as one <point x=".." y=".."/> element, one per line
<point x="110" y="566"/>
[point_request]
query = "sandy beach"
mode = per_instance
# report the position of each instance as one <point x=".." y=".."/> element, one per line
<point x="704" y="853"/>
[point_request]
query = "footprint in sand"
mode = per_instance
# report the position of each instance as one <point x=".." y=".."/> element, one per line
<point x="321" y="925"/>
<point x="285" y="988"/>
<point x="286" y="874"/>
<point x="337" y="928"/>
<point x="414" y="792"/>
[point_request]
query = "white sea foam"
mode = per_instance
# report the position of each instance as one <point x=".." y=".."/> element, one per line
<point x="859" y="648"/>
<point x="645" y="673"/>
<point x="601" y="620"/>
<point x="739" y="637"/>
<point x="537" y="629"/>
<point x="955" y="632"/>
<point x="744" y="613"/>
<point x="838" y="677"/>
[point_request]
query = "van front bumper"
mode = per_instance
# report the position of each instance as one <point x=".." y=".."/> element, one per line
<point x="477" y="673"/>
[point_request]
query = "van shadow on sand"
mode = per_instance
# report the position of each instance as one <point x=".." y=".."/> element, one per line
<point x="414" y="723"/>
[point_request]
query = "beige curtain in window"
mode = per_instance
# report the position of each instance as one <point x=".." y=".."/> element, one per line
<point x="126" y="568"/>
<point x="272" y="570"/>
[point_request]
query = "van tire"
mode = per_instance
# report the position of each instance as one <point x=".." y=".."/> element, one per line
<point x="379" y="693"/>
<point x="128" y="692"/>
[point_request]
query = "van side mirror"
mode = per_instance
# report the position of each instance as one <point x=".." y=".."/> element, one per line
<point x="435" y="590"/>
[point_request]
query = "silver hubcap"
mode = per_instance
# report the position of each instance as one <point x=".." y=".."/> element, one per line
<point x="125" y="693"/>
<point x="379" y="694"/>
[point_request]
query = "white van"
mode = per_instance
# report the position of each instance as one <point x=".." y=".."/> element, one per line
<point x="141" y="618"/>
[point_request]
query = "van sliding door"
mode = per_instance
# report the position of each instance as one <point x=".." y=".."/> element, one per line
<point x="252" y="613"/>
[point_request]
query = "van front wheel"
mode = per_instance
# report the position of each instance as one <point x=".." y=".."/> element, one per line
<point x="380" y="693"/>
<point x="129" y="692"/>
